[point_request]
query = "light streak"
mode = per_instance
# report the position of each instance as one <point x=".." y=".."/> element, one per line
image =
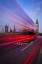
<point x="15" y="18"/>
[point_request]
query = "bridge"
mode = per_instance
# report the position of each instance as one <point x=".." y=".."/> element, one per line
<point x="20" y="45"/>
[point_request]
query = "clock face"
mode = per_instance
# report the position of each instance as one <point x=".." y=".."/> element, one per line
<point x="37" y="25"/>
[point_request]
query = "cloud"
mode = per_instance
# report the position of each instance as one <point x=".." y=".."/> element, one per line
<point x="34" y="13"/>
<point x="39" y="3"/>
<point x="38" y="9"/>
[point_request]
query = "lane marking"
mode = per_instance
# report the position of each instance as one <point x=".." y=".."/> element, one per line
<point x="9" y="43"/>
<point x="30" y="59"/>
<point x="6" y="43"/>
<point x="27" y="46"/>
<point x="12" y="42"/>
<point x="36" y="40"/>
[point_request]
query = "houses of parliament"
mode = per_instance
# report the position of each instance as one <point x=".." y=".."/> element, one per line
<point x="13" y="32"/>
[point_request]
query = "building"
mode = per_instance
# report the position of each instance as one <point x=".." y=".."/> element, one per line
<point x="14" y="29"/>
<point x="6" y="28"/>
<point x="37" y="27"/>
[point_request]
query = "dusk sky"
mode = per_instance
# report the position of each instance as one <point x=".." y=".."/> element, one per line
<point x="34" y="9"/>
<point x="12" y="14"/>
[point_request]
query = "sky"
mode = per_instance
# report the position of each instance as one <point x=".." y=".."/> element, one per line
<point x="15" y="12"/>
<point x="34" y="9"/>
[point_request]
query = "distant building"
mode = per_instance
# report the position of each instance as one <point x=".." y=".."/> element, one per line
<point x="2" y="30"/>
<point x="37" y="26"/>
<point x="10" y="30"/>
<point x="6" y="28"/>
<point x="14" y="29"/>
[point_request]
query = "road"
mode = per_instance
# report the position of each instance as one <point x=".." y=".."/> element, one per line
<point x="22" y="54"/>
<point x="12" y="41"/>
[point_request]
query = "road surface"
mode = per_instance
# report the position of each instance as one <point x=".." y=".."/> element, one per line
<point x="23" y="54"/>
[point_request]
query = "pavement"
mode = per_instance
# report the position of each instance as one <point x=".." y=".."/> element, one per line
<point x="39" y="60"/>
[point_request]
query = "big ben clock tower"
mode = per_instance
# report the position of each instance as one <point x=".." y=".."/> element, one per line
<point x="37" y="27"/>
